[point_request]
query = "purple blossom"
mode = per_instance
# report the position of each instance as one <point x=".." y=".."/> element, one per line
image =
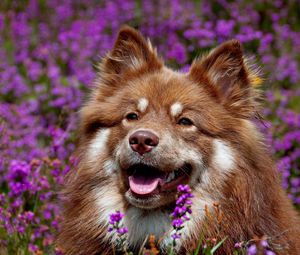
<point x="115" y="218"/>
<point x="181" y="211"/>
<point x="224" y="28"/>
<point x="238" y="245"/>
<point x="122" y="231"/>
<point x="176" y="236"/>
<point x="261" y="247"/>
<point x="116" y="227"/>
<point x="32" y="248"/>
<point x="252" y="250"/>
<point x="264" y="243"/>
<point x="270" y="253"/>
<point x="115" y="223"/>
<point x="177" y="223"/>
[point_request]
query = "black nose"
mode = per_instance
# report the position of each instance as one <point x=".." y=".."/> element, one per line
<point x="143" y="141"/>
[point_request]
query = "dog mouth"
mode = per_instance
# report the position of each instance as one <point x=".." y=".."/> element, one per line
<point x="145" y="180"/>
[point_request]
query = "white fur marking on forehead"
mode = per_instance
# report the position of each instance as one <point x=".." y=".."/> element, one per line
<point x="142" y="104"/>
<point x="176" y="109"/>
<point x="98" y="144"/>
<point x="223" y="156"/>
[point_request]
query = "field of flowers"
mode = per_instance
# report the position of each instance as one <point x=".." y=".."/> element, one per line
<point x="48" y="49"/>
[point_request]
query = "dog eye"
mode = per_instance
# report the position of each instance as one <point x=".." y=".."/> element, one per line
<point x="132" y="116"/>
<point x="185" y="122"/>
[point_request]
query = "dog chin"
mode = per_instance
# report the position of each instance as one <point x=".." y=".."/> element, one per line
<point x="151" y="202"/>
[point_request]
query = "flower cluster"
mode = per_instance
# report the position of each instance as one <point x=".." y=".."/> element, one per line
<point x="261" y="247"/>
<point x="115" y="226"/>
<point x="115" y="223"/>
<point x="181" y="211"/>
<point x="27" y="209"/>
<point x="48" y="50"/>
<point x="284" y="138"/>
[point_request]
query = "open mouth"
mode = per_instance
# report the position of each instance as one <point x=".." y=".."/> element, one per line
<point x="145" y="180"/>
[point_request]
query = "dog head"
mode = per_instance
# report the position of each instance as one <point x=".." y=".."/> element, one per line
<point x="151" y="128"/>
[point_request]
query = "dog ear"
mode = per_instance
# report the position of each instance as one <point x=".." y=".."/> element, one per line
<point x="224" y="72"/>
<point x="131" y="52"/>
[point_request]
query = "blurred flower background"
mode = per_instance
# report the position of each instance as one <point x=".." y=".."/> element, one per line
<point x="47" y="52"/>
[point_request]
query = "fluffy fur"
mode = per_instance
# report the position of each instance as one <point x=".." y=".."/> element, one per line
<point x="231" y="166"/>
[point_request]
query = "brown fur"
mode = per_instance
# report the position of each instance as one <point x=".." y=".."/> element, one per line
<point x="217" y="95"/>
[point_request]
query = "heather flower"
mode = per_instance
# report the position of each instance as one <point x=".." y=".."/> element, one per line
<point x="115" y="218"/>
<point x="252" y="250"/>
<point x="115" y="226"/>
<point x="238" y="245"/>
<point x="270" y="253"/>
<point x="261" y="247"/>
<point x="32" y="248"/>
<point x="181" y="211"/>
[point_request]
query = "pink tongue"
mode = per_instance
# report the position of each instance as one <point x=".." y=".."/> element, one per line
<point x="143" y="185"/>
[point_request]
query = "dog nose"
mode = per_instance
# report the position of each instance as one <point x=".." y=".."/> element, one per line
<point x="143" y="141"/>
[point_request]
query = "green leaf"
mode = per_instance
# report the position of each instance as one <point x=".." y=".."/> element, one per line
<point x="196" y="252"/>
<point x="217" y="246"/>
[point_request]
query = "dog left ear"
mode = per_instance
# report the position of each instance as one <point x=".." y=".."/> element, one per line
<point x="131" y="52"/>
<point x="132" y="55"/>
<point x="226" y="76"/>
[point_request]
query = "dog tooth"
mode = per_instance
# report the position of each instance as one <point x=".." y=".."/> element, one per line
<point x="168" y="178"/>
<point x="171" y="176"/>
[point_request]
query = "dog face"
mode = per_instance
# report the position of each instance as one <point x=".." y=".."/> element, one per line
<point x="155" y="128"/>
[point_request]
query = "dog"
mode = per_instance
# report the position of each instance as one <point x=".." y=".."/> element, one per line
<point x="146" y="129"/>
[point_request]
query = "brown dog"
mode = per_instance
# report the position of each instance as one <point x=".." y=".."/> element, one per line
<point x="147" y="128"/>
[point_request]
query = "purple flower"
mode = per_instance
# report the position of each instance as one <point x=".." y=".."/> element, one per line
<point x="115" y="218"/>
<point x="252" y="250"/>
<point x="116" y="227"/>
<point x="264" y="243"/>
<point x="176" y="236"/>
<point x="177" y="223"/>
<point x="32" y="248"/>
<point x="29" y="216"/>
<point x="238" y="245"/>
<point x="224" y="28"/>
<point x="184" y="189"/>
<point x="1" y="21"/>
<point x="115" y="223"/>
<point x="260" y="248"/>
<point x="270" y="253"/>
<point x="122" y="231"/>
<point x="181" y="211"/>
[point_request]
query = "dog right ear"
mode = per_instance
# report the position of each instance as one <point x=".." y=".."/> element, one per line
<point x="225" y="74"/>
<point x="131" y="52"/>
